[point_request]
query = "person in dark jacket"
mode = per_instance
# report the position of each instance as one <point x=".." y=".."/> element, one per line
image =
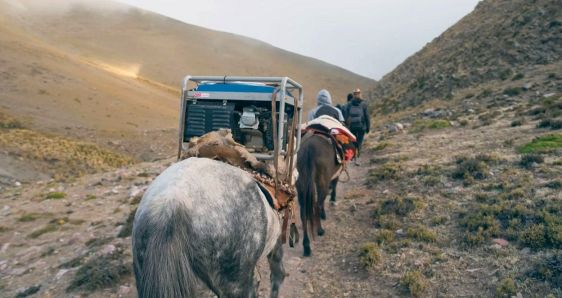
<point x="357" y="119"/>
<point x="325" y="107"/>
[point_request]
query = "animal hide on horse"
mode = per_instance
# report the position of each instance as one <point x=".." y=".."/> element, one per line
<point x="220" y="145"/>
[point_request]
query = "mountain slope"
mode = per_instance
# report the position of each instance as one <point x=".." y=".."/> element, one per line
<point x="112" y="67"/>
<point x="497" y="41"/>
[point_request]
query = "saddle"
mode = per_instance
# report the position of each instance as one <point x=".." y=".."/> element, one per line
<point x="336" y="133"/>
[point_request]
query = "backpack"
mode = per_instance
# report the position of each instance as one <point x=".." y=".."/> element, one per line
<point x="355" y="119"/>
<point x="327" y="110"/>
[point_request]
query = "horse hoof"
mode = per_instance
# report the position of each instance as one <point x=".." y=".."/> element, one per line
<point x="323" y="215"/>
<point x="307" y="252"/>
<point x="321" y="232"/>
<point x="333" y="203"/>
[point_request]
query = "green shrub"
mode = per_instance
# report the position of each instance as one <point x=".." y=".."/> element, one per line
<point x="100" y="272"/>
<point x="398" y="205"/>
<point x="439" y="220"/>
<point x="415" y="282"/>
<point x="27" y="217"/>
<point x="534" y="236"/>
<point x="55" y="195"/>
<point x="46" y="229"/>
<point x="554" y="184"/>
<point x="549" y="269"/>
<point x="421" y="125"/>
<point x="518" y="122"/>
<point x="514" y="91"/>
<point x="370" y="254"/>
<point x="388" y="221"/>
<point x="553" y="124"/>
<point x="90" y="197"/>
<point x="73" y="263"/>
<point x="96" y="242"/>
<point x="528" y="160"/>
<point x="480" y="226"/>
<point x="518" y="76"/>
<point x="384" y="236"/>
<point x="387" y="171"/>
<point x="543" y="144"/>
<point x="506" y="288"/>
<point x="381" y="146"/>
<point x="421" y="234"/>
<point x="556" y="124"/>
<point x="7" y="122"/>
<point x="29" y="291"/>
<point x="475" y="168"/>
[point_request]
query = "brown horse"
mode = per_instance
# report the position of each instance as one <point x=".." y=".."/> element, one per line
<point x="318" y="167"/>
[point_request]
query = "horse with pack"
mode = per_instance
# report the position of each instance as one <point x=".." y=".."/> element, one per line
<point x="229" y="199"/>
<point x="326" y="148"/>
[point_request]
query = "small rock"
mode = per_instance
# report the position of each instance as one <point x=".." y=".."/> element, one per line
<point x="75" y="238"/>
<point x="124" y="290"/>
<point x="3" y="265"/>
<point x="519" y="295"/>
<point x="501" y="242"/>
<point x="18" y="271"/>
<point x="17" y="184"/>
<point x="134" y="191"/>
<point x="310" y="288"/>
<point x="527" y="86"/>
<point x="400" y="232"/>
<point x="496" y="246"/>
<point x="6" y="210"/>
<point x="549" y="95"/>
<point x="108" y="249"/>
<point x="61" y="273"/>
<point x="525" y="250"/>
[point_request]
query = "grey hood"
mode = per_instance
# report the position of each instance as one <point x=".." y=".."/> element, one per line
<point x="324" y="97"/>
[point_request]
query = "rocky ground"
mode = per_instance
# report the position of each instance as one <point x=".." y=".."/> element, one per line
<point x="401" y="227"/>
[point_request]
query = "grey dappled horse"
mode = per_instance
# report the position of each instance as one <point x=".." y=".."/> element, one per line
<point x="317" y="165"/>
<point x="204" y="220"/>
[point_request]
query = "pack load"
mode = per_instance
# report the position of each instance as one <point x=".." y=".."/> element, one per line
<point x="340" y="136"/>
<point x="249" y="122"/>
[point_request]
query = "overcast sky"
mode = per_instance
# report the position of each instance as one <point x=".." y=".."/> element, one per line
<point x="369" y="37"/>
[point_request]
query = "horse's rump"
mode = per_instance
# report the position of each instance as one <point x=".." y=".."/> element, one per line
<point x="200" y="219"/>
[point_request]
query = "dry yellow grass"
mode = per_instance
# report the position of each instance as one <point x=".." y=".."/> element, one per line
<point x="66" y="157"/>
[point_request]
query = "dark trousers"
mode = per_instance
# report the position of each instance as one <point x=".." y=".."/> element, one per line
<point x="359" y="134"/>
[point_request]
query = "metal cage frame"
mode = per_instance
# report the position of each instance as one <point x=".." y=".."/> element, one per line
<point x="283" y="86"/>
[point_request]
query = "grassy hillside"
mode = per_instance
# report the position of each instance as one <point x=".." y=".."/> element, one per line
<point x="499" y="42"/>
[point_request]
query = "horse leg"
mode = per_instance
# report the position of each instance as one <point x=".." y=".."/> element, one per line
<point x="275" y="259"/>
<point x="305" y="240"/>
<point x="322" y="191"/>
<point x="333" y="186"/>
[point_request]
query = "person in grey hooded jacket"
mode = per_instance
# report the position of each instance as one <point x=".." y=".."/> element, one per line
<point x="325" y="107"/>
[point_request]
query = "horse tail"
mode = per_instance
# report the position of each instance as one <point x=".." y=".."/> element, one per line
<point x="161" y="255"/>
<point x="308" y="189"/>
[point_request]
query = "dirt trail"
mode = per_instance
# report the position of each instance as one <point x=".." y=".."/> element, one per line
<point x="333" y="269"/>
